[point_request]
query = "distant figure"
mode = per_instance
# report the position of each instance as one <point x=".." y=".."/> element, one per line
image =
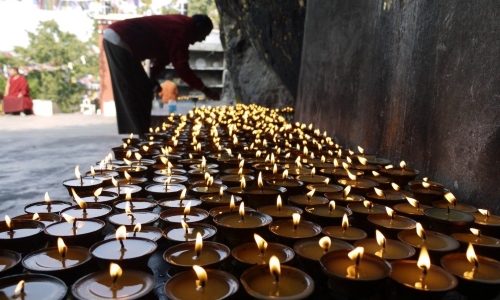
<point x="163" y="39"/>
<point x="169" y="94"/>
<point x="17" y="94"/>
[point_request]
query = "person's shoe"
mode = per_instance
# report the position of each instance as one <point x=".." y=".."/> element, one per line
<point x="22" y="114"/>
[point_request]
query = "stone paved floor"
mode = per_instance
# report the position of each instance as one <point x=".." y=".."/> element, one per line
<point x="38" y="153"/>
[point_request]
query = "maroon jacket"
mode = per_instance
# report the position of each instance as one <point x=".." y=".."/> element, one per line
<point x="164" y="39"/>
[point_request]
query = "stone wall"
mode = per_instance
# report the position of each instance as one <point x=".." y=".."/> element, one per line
<point x="262" y="41"/>
<point x="415" y="80"/>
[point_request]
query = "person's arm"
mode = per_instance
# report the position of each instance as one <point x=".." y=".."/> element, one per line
<point x="180" y="61"/>
<point x="23" y="88"/>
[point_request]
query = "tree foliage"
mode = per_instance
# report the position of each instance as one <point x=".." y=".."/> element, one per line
<point x="58" y="60"/>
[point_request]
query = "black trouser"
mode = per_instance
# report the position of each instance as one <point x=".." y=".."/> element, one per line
<point x="132" y="90"/>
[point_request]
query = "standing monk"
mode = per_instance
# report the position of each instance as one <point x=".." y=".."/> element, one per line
<point x="163" y="39"/>
<point x="17" y="94"/>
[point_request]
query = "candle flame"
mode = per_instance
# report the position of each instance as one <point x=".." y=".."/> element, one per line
<point x="221" y="192"/>
<point x="323" y="159"/>
<point x="375" y="173"/>
<point x="356" y="253"/>
<point x="313" y="171"/>
<point x="137" y="156"/>
<point x="388" y="167"/>
<point x="475" y="232"/>
<point x="424" y="261"/>
<point x="260" y="183"/>
<point x="47" y="198"/>
<point x="395" y="186"/>
<point x="348" y="158"/>
<point x="279" y="203"/>
<point x="8" y="222"/>
<point x="185" y="226"/>
<point x="484" y="212"/>
<point x="128" y="208"/>
<point x="351" y="176"/>
<point x="335" y="163"/>
<point x="368" y="204"/>
<point x="241" y="210"/>
<point x="261" y="243"/>
<point x="450" y="198"/>
<point x="345" y="222"/>
<point x="295" y="219"/>
<point x="413" y="202"/>
<point x="232" y="203"/>
<point x="345" y="165"/>
<point x="379" y="192"/>
<point x="331" y="205"/>
<point x="310" y="194"/>
<point x="137" y="228"/>
<point x="362" y="160"/>
<point x="92" y="171"/>
<point x="164" y="160"/>
<point x="241" y="164"/>
<point x="421" y="231"/>
<point x="61" y="247"/>
<point x="243" y="183"/>
<point x="275" y="169"/>
<point x="121" y="233"/>
<point x="380" y="238"/>
<point x="325" y="243"/>
<point x="70" y="219"/>
<point x="183" y="194"/>
<point x="82" y="204"/>
<point x="390" y="212"/>
<point x="127" y="176"/>
<point x="198" y="245"/>
<point x="115" y="271"/>
<point x="98" y="192"/>
<point x="285" y="174"/>
<point x="275" y="268"/>
<point x="187" y="209"/>
<point x="128" y="155"/>
<point x="202" y="276"/>
<point x="114" y="181"/>
<point x="426" y="184"/>
<point x="19" y="291"/>
<point x="361" y="150"/>
<point x="471" y="255"/>
<point x="402" y="164"/>
<point x="346" y="191"/>
<point x="78" y="175"/>
<point x="36" y="217"/>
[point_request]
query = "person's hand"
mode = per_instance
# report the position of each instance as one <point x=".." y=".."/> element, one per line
<point x="211" y="94"/>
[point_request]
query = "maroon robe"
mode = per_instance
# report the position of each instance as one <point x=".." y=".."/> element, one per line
<point x="18" y="96"/>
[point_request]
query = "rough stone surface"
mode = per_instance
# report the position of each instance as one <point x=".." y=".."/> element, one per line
<point x="413" y="80"/>
<point x="263" y="41"/>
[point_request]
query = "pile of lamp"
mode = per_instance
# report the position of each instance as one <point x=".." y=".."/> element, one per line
<point x="240" y="203"/>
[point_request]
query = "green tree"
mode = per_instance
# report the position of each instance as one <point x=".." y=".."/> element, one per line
<point x="58" y="60"/>
<point x="206" y="7"/>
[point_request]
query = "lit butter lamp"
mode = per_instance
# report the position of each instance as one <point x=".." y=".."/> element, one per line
<point x="45" y="218"/>
<point x="261" y="195"/>
<point x="325" y="187"/>
<point x="361" y="211"/>
<point x="137" y="204"/>
<point x="132" y="180"/>
<point x="451" y="202"/>
<point x="345" y="196"/>
<point x="81" y="232"/>
<point x="239" y="226"/>
<point x="386" y="248"/>
<point x="133" y="251"/>
<point x="82" y="185"/>
<point x="329" y="214"/>
<point x="477" y="275"/>
<point x="447" y="219"/>
<point x="391" y="223"/>
<point x="186" y="214"/>
<point x="123" y="189"/>
<point x="274" y="281"/>
<point x="32" y="287"/>
<point x="219" y="199"/>
<point x="359" y="185"/>
<point x="130" y="218"/>
<point x="487" y="222"/>
<point x="62" y="261"/>
<point x="412" y="209"/>
<point x="292" y="185"/>
<point x="180" y="202"/>
<point x="312" y="177"/>
<point x="309" y="199"/>
<point x="485" y="245"/>
<point x="152" y="233"/>
<point x="85" y="210"/>
<point x="228" y="208"/>
<point x="9" y="262"/>
<point x="21" y="235"/>
<point x="420" y="278"/>
<point x="206" y="187"/>
<point x="345" y="231"/>
<point x="114" y="284"/>
<point x="46" y="206"/>
<point x="196" y="253"/>
<point x="99" y="196"/>
<point x="290" y="230"/>
<point x="354" y="273"/>
<point x="401" y="175"/>
<point x="427" y="191"/>
<point x="437" y="243"/>
<point x="185" y="232"/>
<point x="388" y="197"/>
<point x="260" y="251"/>
<point x="165" y="190"/>
<point x="309" y="252"/>
<point x="201" y="284"/>
<point x="279" y="210"/>
<point x="382" y="181"/>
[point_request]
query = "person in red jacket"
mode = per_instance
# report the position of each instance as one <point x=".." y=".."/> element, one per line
<point x="164" y="39"/>
<point x="17" y="98"/>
